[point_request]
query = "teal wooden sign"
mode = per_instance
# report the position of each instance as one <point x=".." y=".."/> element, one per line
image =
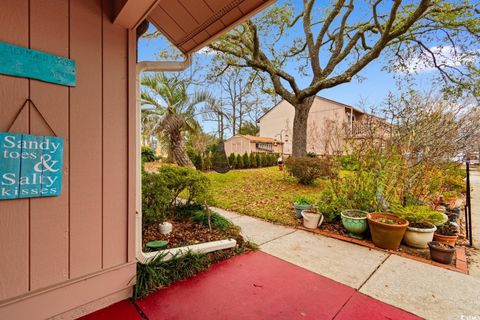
<point x="23" y="62"/>
<point x="30" y="166"/>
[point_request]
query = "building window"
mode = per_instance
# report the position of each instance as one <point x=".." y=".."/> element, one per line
<point x="264" y="146"/>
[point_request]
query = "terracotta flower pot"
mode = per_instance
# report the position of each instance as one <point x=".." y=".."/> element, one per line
<point x="451" y="240"/>
<point x="442" y="254"/>
<point x="386" y="235"/>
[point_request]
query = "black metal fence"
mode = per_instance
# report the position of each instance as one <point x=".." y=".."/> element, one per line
<point x="468" y="208"/>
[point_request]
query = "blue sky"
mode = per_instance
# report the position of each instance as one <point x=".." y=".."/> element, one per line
<point x="373" y="88"/>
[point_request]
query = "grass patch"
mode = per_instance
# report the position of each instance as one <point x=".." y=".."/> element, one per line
<point x="197" y="213"/>
<point x="266" y="193"/>
<point x="158" y="273"/>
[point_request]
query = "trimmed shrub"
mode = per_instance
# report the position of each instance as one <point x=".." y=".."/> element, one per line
<point x="253" y="161"/>
<point x="246" y="161"/>
<point x="220" y="162"/>
<point x="160" y="190"/>
<point x="258" y="160"/>
<point x="311" y="154"/>
<point x="263" y="160"/>
<point x="273" y="159"/>
<point x="232" y="160"/>
<point x="306" y="169"/>
<point x="148" y="154"/>
<point x="156" y="198"/>
<point x="239" y="162"/>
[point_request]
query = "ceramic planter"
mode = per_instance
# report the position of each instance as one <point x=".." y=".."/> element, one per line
<point x="419" y="237"/>
<point x="165" y="228"/>
<point x="451" y="240"/>
<point x="441" y="254"/>
<point x="311" y="219"/>
<point x="299" y="208"/>
<point x="354" y="224"/>
<point x="385" y="235"/>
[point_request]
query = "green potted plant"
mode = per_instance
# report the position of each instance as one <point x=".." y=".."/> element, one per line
<point x="446" y="234"/>
<point x="301" y="203"/>
<point x="441" y="252"/>
<point x="355" y="221"/>
<point x="387" y="230"/>
<point x="422" y="224"/>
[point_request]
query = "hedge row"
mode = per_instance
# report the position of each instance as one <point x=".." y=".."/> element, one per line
<point x="252" y="160"/>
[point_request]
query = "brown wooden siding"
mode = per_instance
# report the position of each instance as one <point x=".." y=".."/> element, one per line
<point x="89" y="228"/>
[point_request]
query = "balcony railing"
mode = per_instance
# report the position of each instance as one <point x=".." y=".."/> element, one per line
<point x="363" y="129"/>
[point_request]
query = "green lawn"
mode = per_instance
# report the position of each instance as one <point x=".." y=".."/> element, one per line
<point x="265" y="193"/>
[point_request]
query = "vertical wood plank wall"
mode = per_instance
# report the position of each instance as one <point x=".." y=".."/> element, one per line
<point x="45" y="242"/>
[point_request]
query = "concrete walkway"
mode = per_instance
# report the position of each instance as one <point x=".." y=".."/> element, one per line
<point x="425" y="290"/>
<point x="474" y="266"/>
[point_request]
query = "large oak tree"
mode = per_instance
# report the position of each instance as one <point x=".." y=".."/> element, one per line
<point x="333" y="42"/>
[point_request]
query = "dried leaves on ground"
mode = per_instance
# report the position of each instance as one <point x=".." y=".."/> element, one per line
<point x="266" y="193"/>
<point x="185" y="232"/>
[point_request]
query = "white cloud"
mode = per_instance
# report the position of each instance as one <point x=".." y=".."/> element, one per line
<point x="444" y="55"/>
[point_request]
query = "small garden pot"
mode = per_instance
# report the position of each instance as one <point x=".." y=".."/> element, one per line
<point x="311" y="219"/>
<point x="452" y="201"/>
<point x="299" y="208"/>
<point x="165" y="228"/>
<point x="440" y="252"/>
<point x="450" y="240"/>
<point x="387" y="230"/>
<point x="355" y="221"/>
<point x="419" y="235"/>
<point x="453" y="214"/>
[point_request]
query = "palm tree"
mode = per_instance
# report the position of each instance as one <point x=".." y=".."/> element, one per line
<point x="169" y="112"/>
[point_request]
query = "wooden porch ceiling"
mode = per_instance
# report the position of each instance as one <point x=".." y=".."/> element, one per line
<point x="188" y="24"/>
<point x="191" y="24"/>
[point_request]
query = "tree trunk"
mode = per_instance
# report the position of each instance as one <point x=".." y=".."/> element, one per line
<point x="299" y="140"/>
<point x="180" y="156"/>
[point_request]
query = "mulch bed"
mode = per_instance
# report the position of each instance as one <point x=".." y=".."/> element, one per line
<point x="185" y="232"/>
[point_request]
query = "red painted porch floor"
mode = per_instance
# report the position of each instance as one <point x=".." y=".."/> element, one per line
<point x="255" y="286"/>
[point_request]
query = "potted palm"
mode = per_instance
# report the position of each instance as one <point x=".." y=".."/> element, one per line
<point x="387" y="229"/>
<point x="355" y="221"/>
<point x="301" y="203"/>
<point x="422" y="224"/>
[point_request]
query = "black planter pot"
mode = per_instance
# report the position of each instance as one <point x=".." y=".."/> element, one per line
<point x="441" y="254"/>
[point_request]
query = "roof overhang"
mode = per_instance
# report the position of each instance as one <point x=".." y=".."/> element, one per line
<point x="187" y="24"/>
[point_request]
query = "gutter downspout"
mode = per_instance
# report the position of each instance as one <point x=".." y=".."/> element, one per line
<point x="147" y="66"/>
